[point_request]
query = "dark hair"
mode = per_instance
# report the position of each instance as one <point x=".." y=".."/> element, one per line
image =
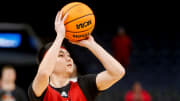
<point x="42" y="52"/>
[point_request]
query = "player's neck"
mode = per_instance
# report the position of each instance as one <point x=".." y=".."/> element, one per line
<point x="58" y="81"/>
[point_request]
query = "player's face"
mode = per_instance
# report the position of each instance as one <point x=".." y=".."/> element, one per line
<point x="64" y="62"/>
<point x="137" y="87"/>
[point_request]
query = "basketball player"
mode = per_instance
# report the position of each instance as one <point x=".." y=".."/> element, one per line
<point x="52" y="81"/>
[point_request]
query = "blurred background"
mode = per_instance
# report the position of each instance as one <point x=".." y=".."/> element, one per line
<point x="143" y="36"/>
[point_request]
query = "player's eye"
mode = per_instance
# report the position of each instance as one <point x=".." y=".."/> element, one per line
<point x="61" y="55"/>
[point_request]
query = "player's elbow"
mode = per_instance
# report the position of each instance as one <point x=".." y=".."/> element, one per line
<point x="123" y="72"/>
<point x="120" y="73"/>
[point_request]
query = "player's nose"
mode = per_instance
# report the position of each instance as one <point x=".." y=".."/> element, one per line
<point x="68" y="59"/>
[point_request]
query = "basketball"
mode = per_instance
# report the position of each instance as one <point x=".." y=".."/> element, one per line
<point x="80" y="21"/>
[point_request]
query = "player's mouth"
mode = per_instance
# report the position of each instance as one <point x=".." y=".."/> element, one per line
<point x="69" y="65"/>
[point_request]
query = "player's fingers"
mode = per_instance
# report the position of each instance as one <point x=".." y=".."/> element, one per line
<point x="56" y="19"/>
<point x="73" y="42"/>
<point x="90" y="37"/>
<point x="65" y="16"/>
<point x="60" y="15"/>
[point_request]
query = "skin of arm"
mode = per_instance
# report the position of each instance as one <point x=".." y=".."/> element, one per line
<point x="114" y="71"/>
<point x="46" y="67"/>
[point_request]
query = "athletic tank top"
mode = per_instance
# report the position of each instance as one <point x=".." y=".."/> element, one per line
<point x="74" y="94"/>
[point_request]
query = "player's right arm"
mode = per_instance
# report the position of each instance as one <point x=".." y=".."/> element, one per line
<point x="47" y="64"/>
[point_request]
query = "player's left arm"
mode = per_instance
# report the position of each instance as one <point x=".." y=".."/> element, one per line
<point x="114" y="70"/>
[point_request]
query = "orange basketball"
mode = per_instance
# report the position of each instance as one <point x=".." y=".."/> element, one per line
<point x="80" y="21"/>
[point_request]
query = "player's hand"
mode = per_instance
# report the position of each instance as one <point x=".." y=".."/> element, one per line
<point x="59" y="24"/>
<point x="85" y="43"/>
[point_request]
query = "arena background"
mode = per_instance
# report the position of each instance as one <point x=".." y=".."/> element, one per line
<point x="153" y="27"/>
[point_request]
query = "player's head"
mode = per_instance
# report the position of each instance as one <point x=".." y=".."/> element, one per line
<point x="137" y="86"/>
<point x="8" y="74"/>
<point x="64" y="62"/>
<point x="121" y="30"/>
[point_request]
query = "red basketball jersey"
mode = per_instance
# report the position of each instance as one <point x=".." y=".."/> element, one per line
<point x="75" y="94"/>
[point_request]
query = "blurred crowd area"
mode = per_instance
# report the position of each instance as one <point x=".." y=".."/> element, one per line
<point x="153" y="62"/>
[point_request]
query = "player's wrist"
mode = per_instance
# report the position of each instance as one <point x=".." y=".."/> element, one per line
<point x="60" y="35"/>
<point x="91" y="45"/>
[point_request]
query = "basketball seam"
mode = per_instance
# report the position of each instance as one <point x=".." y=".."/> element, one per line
<point x="71" y="8"/>
<point x="78" y="18"/>
<point x="79" y="31"/>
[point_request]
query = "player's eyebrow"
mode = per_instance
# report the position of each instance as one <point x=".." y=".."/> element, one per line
<point x="64" y="52"/>
<point x="61" y="51"/>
